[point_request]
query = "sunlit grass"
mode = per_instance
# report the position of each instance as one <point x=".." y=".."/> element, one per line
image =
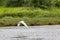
<point x="32" y="16"/>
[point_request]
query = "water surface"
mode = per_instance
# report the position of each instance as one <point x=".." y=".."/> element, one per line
<point x="32" y="33"/>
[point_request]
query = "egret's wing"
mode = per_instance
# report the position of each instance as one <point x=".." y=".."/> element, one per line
<point x="22" y="22"/>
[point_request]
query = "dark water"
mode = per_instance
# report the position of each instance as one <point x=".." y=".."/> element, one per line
<point x="32" y="33"/>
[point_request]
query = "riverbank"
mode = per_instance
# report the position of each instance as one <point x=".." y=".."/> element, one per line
<point x="32" y="16"/>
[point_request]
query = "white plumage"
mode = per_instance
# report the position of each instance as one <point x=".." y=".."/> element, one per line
<point x="22" y="22"/>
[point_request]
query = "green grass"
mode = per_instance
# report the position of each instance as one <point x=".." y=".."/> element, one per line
<point x="32" y="16"/>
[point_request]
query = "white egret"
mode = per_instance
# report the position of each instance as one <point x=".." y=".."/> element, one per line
<point x="22" y="22"/>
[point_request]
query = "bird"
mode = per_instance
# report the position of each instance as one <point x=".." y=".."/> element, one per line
<point x="23" y="23"/>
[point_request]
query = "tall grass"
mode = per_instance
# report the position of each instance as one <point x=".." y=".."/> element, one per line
<point x="21" y="12"/>
<point x="37" y="16"/>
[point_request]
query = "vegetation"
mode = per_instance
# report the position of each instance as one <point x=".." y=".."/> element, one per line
<point x="11" y="16"/>
<point x="33" y="12"/>
<point x="30" y="3"/>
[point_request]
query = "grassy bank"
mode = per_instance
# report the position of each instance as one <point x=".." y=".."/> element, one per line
<point x="32" y="16"/>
